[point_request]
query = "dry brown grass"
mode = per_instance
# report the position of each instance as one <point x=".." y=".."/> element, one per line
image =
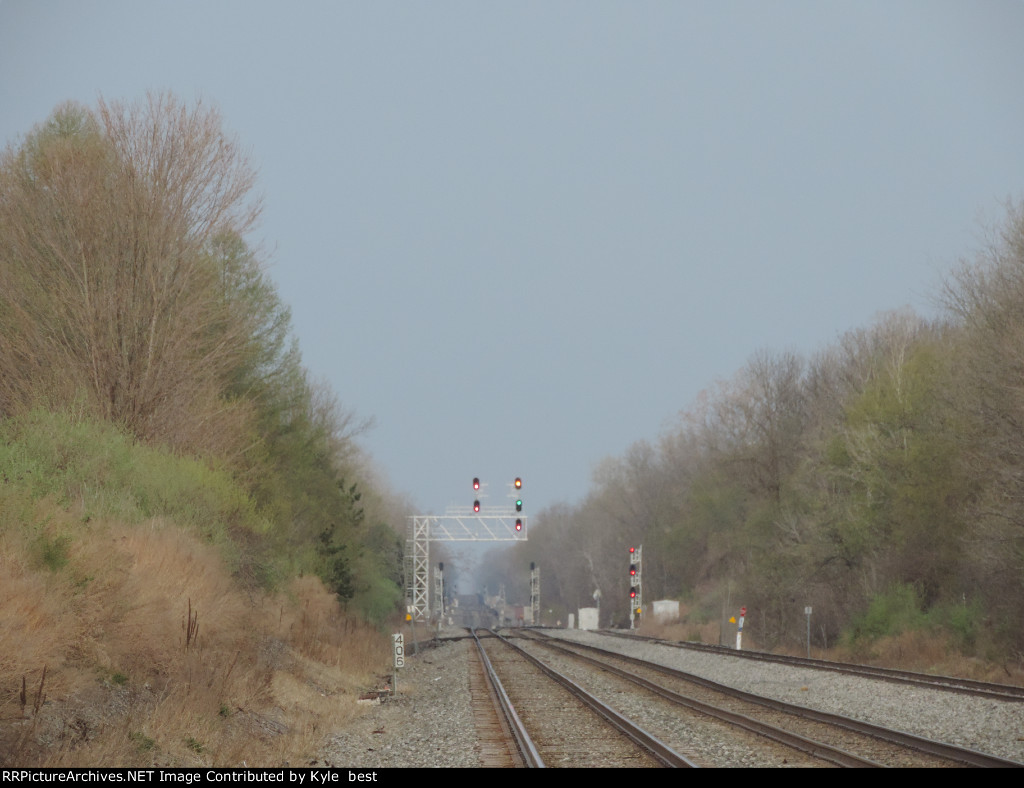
<point x="128" y="681"/>
<point x="916" y="650"/>
<point x="681" y="630"/>
<point x="929" y="653"/>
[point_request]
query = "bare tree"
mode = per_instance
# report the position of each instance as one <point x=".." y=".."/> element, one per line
<point x="110" y="290"/>
<point x="987" y="296"/>
<point x="759" y="418"/>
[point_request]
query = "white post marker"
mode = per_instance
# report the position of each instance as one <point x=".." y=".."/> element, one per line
<point x="739" y="628"/>
<point x="399" y="640"/>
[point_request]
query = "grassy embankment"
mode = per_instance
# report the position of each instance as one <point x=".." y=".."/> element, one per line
<point x="132" y="632"/>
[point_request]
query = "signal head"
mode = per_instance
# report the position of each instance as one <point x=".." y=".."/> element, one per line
<point x="519" y="524"/>
<point x="476" y="506"/>
<point x="476" y="483"/>
<point x="519" y="483"/>
<point x="519" y="504"/>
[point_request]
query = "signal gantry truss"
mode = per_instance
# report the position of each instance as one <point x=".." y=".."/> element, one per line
<point x="459" y="524"/>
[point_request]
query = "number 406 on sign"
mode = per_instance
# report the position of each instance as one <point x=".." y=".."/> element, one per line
<point x="399" y="640"/>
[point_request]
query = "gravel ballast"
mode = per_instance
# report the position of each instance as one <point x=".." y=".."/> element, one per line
<point x="990" y="726"/>
<point x="430" y="723"/>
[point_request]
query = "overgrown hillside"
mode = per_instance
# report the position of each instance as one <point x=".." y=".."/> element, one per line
<point x="129" y="295"/>
<point x="195" y="555"/>
<point x="126" y="634"/>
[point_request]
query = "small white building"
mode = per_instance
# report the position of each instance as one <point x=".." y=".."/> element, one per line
<point x="665" y="610"/>
<point x="588" y="617"/>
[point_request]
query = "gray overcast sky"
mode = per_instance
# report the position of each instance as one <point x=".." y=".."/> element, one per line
<point x="523" y="235"/>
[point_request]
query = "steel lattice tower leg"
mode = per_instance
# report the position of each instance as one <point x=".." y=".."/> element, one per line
<point x="535" y="595"/>
<point x="418" y="572"/>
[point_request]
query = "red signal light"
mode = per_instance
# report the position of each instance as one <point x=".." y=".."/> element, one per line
<point x="476" y="483"/>
<point x="519" y="525"/>
<point x="476" y="506"/>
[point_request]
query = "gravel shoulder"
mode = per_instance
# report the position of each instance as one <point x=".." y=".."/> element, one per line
<point x="427" y="724"/>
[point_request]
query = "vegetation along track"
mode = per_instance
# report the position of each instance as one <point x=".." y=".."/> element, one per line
<point x="866" y="741"/>
<point x="555" y="723"/>
<point x="954" y="684"/>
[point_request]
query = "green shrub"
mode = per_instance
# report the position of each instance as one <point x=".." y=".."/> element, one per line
<point x="142" y="741"/>
<point x="53" y="552"/>
<point x="961" y="621"/>
<point x="895" y="611"/>
<point x="378" y="599"/>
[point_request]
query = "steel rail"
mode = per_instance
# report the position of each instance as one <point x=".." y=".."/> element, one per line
<point x="661" y="751"/>
<point x="825" y="752"/>
<point x="524" y="744"/>
<point x="929" y="746"/>
<point x="985" y="689"/>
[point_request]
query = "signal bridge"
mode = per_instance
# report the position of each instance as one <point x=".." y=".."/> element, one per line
<point x="462" y="524"/>
<point x="474" y="523"/>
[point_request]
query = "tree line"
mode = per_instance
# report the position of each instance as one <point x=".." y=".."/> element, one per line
<point x="128" y="292"/>
<point x="879" y="481"/>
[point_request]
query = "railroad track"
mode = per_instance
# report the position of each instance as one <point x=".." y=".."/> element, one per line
<point x="498" y="727"/>
<point x="952" y="684"/>
<point x="840" y="740"/>
<point x="553" y="722"/>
